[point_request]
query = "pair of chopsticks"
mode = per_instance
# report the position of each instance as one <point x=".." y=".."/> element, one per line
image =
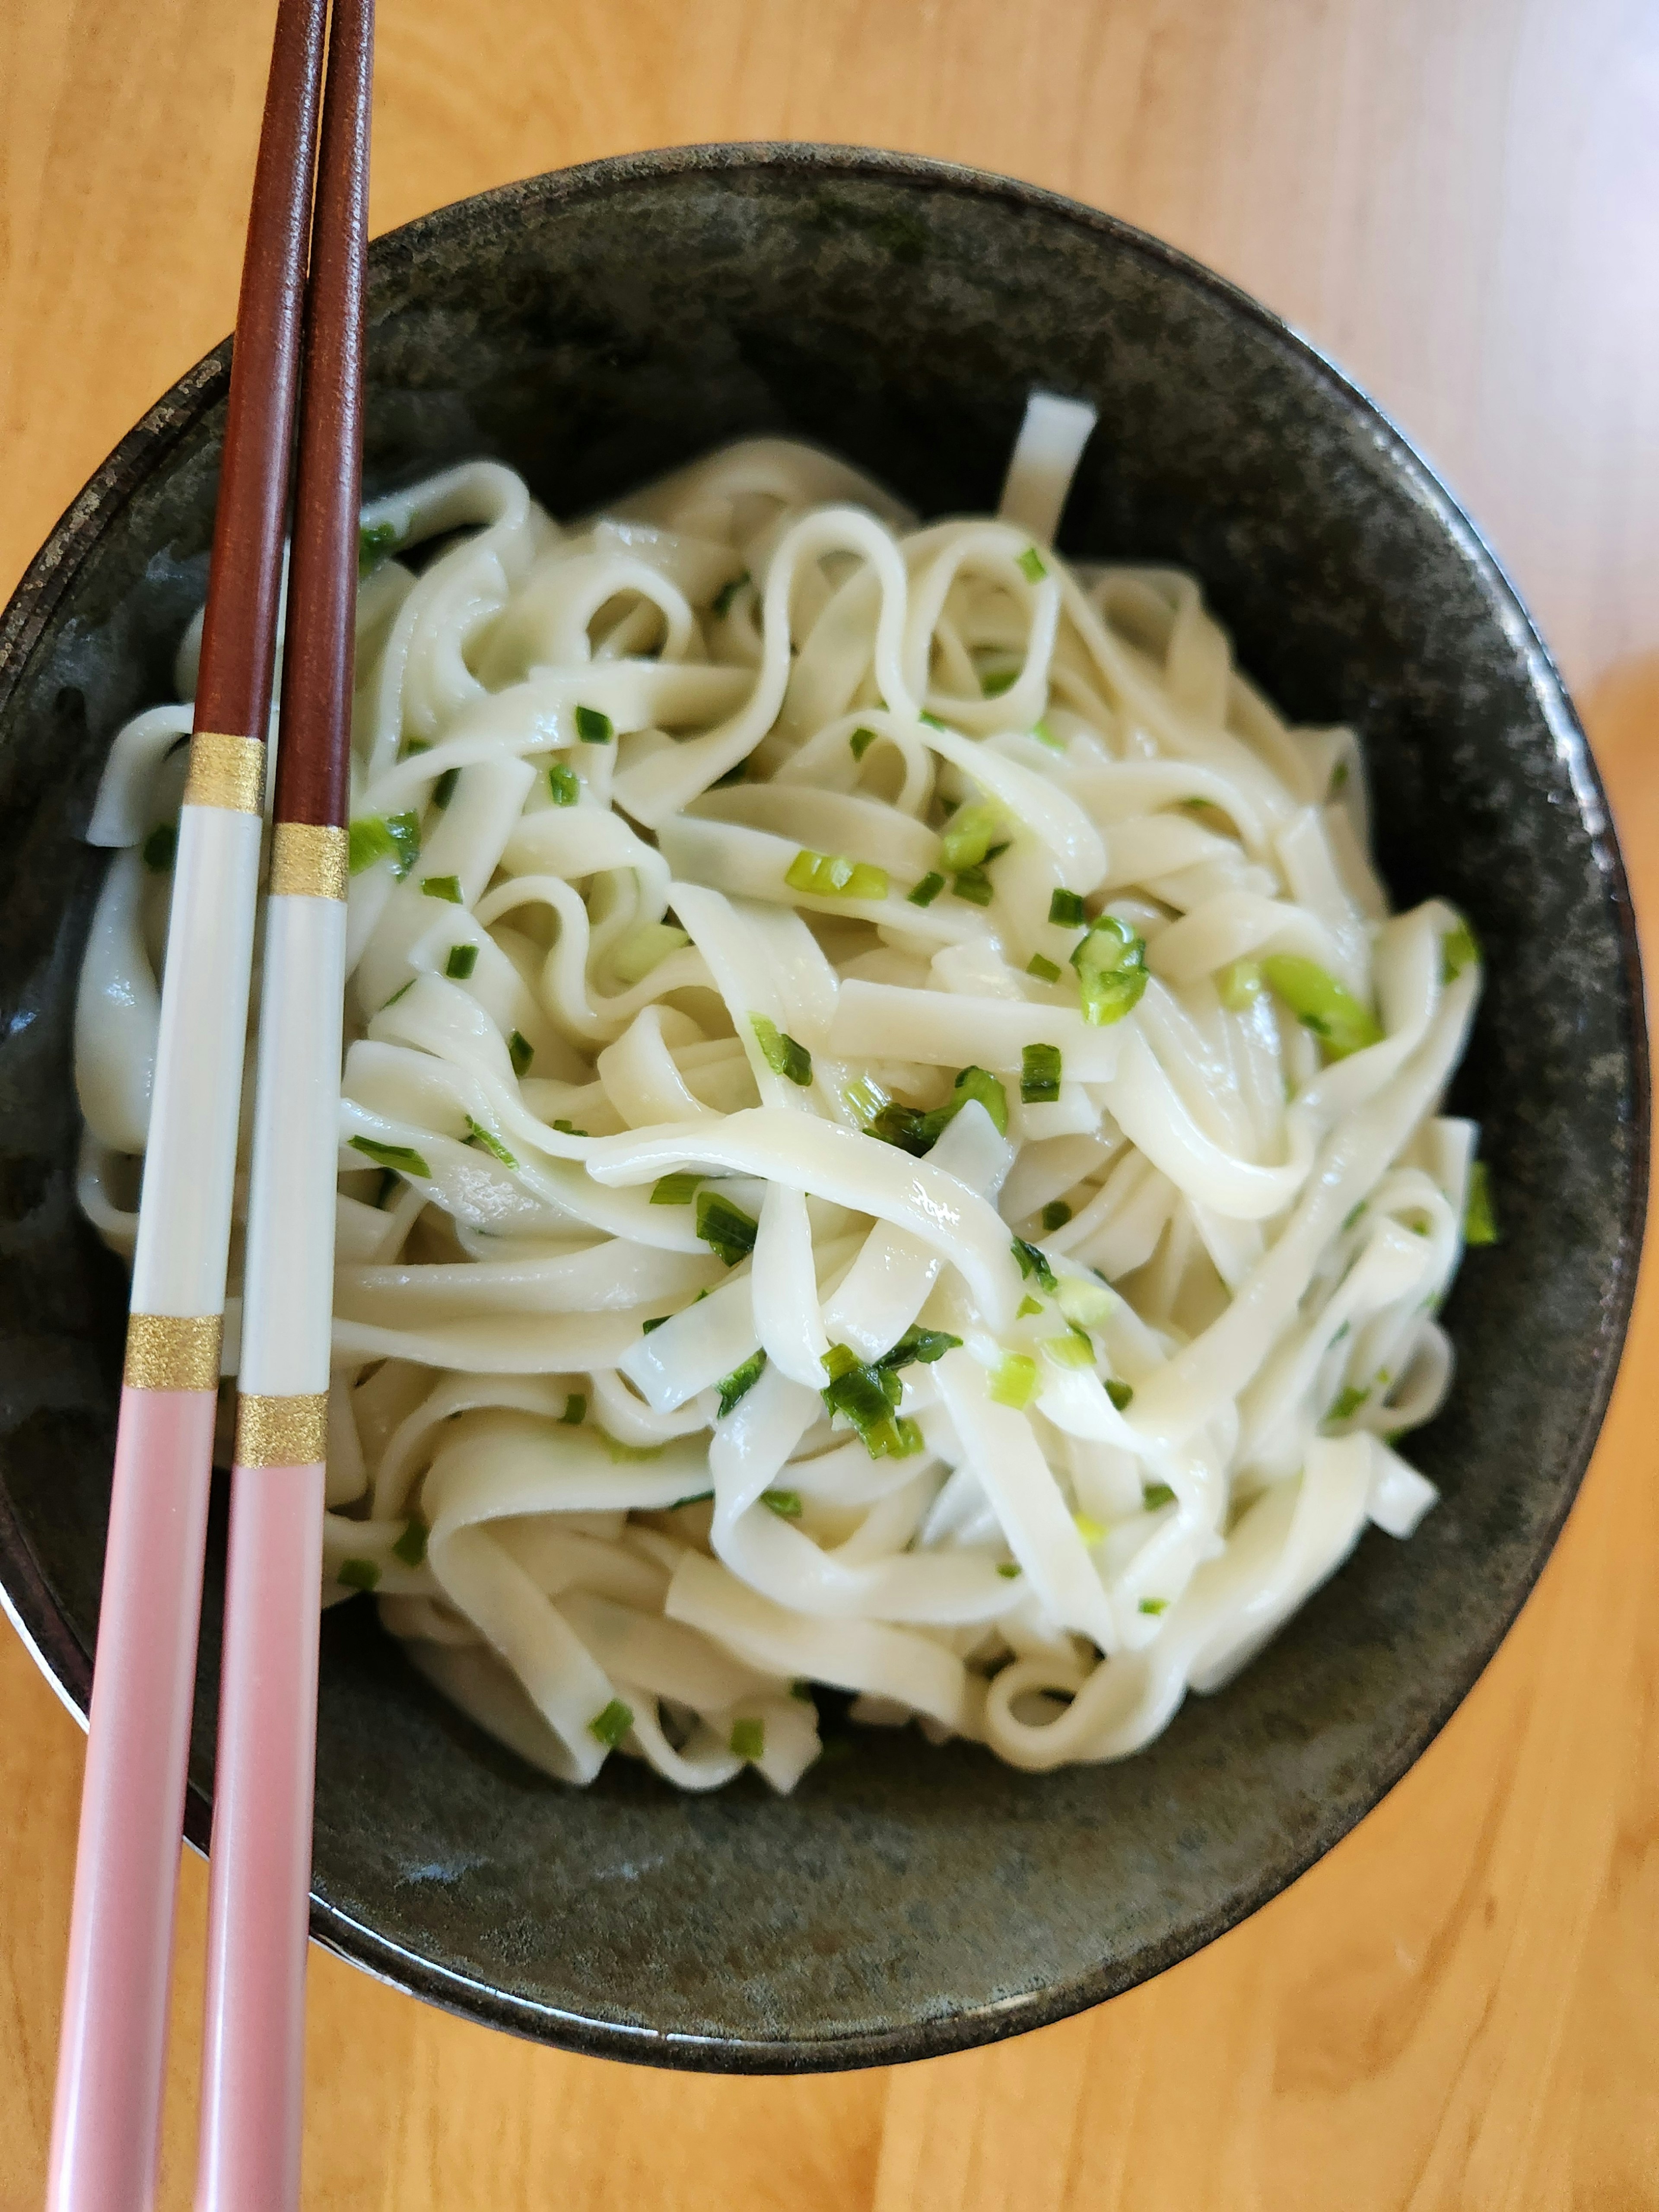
<point x="111" y="2056"/>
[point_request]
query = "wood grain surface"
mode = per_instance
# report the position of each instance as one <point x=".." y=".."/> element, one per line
<point x="1458" y="2008"/>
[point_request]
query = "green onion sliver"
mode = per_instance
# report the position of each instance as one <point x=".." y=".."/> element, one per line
<point x="403" y="1157"/>
<point x="575" y="1410"/>
<point x="781" y="1052"/>
<point x="861" y="742"/>
<point x="442" y="887"/>
<point x="463" y="959"/>
<point x="1055" y="1214"/>
<point x="521" y="1052"/>
<point x="1324" y="1006"/>
<point x="564" y="784"/>
<point x="410" y="1546"/>
<point x="748" y="1739"/>
<point x="725" y="1227"/>
<point x="1045" y="970"/>
<point x="675" y="1189"/>
<point x="1013" y="1380"/>
<point x="1479" y="1223"/>
<point x="478" y="1135"/>
<point x="612" y="1725"/>
<point x="592" y="727"/>
<point x="971" y="834"/>
<point x="927" y="889"/>
<point x="1030" y="565"/>
<point x="1110" y="960"/>
<point x="1066" y="909"/>
<point x="833" y="875"/>
<point x="1039" y="1074"/>
<point x="358" y="1574"/>
<point x="739" y="1381"/>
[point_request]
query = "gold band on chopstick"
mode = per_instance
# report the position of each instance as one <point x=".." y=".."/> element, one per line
<point x="281" y="1431"/>
<point x="226" y="771"/>
<point x="173" y="1352"/>
<point x="308" y="861"/>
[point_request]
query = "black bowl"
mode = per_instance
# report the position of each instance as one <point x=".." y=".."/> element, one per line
<point x="593" y="328"/>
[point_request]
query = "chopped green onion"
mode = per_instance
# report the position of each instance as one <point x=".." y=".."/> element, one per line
<point x="927" y="889"/>
<point x="403" y="1157"/>
<point x="394" y="837"/>
<point x="1014" y="1381"/>
<point x="478" y="1135"/>
<point x="867" y="1396"/>
<point x="442" y="887"/>
<point x="786" y="1504"/>
<point x="1459" y="948"/>
<point x="1087" y="1304"/>
<point x="932" y="720"/>
<point x="1338" y="777"/>
<point x="625" y="1454"/>
<point x="358" y="1574"/>
<point x="832" y="875"/>
<point x="657" y="1320"/>
<point x="570" y="1129"/>
<point x="1352" y="1215"/>
<point x="999" y="681"/>
<point x="399" y="993"/>
<point x="410" y="1546"/>
<point x="444" y="790"/>
<point x="917" y="1345"/>
<point x="1154" y="1495"/>
<point x="1045" y="970"/>
<point x="564" y="783"/>
<point x="592" y="727"/>
<point x="974" y="885"/>
<point x="727" y="592"/>
<point x="1008" y="1571"/>
<point x="1111" y="961"/>
<point x="675" y="1190"/>
<point x="575" y="1410"/>
<point x="1155" y="1605"/>
<point x="741" y="1380"/>
<point x="1055" y="1214"/>
<point x="860" y="741"/>
<point x="692" y="1498"/>
<point x="644" y="947"/>
<point x="1479" y="1223"/>
<point x="374" y="541"/>
<point x="1091" y="1531"/>
<point x="1033" y="1261"/>
<point x="613" y="1724"/>
<point x="1039" y="1074"/>
<point x="463" y="959"/>
<point x="748" y="1739"/>
<point x="917" y="1133"/>
<point x="970" y="834"/>
<point x="1321" y="1004"/>
<point x="1027" y="1305"/>
<point x="1119" y="1393"/>
<point x="1045" y="736"/>
<point x="727" y="1228"/>
<point x="1030" y="565"/>
<point x="1066" y="909"/>
<point x="160" y="846"/>
<point x="1347" y="1403"/>
<point x="1071" y="1350"/>
<point x="781" y="1052"/>
<point x="521" y="1052"/>
<point x="1239" y="984"/>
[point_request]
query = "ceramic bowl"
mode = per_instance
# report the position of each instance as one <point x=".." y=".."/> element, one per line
<point x="593" y="328"/>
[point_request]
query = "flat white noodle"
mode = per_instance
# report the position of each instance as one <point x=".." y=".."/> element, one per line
<point x="761" y="1261"/>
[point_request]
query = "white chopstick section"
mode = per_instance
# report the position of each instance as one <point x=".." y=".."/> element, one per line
<point x="190" y="1169"/>
<point x="288" y="1297"/>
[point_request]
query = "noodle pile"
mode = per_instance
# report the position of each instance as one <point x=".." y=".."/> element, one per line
<point x="890" y="1138"/>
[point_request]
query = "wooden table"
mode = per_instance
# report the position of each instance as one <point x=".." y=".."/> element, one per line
<point x="1458" y="2008"/>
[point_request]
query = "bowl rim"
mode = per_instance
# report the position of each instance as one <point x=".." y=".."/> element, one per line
<point x="24" y="1594"/>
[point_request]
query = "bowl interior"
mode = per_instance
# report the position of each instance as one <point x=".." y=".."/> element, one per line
<point x="592" y="329"/>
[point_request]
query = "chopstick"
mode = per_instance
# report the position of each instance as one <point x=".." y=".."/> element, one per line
<point x="254" y="2044"/>
<point x="112" y="2052"/>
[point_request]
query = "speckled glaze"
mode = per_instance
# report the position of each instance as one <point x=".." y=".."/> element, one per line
<point x="592" y="328"/>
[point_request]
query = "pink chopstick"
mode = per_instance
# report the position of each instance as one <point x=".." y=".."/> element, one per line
<point x="253" y="2073"/>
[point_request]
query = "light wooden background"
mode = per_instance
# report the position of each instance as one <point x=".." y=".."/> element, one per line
<point x="1458" y="2010"/>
